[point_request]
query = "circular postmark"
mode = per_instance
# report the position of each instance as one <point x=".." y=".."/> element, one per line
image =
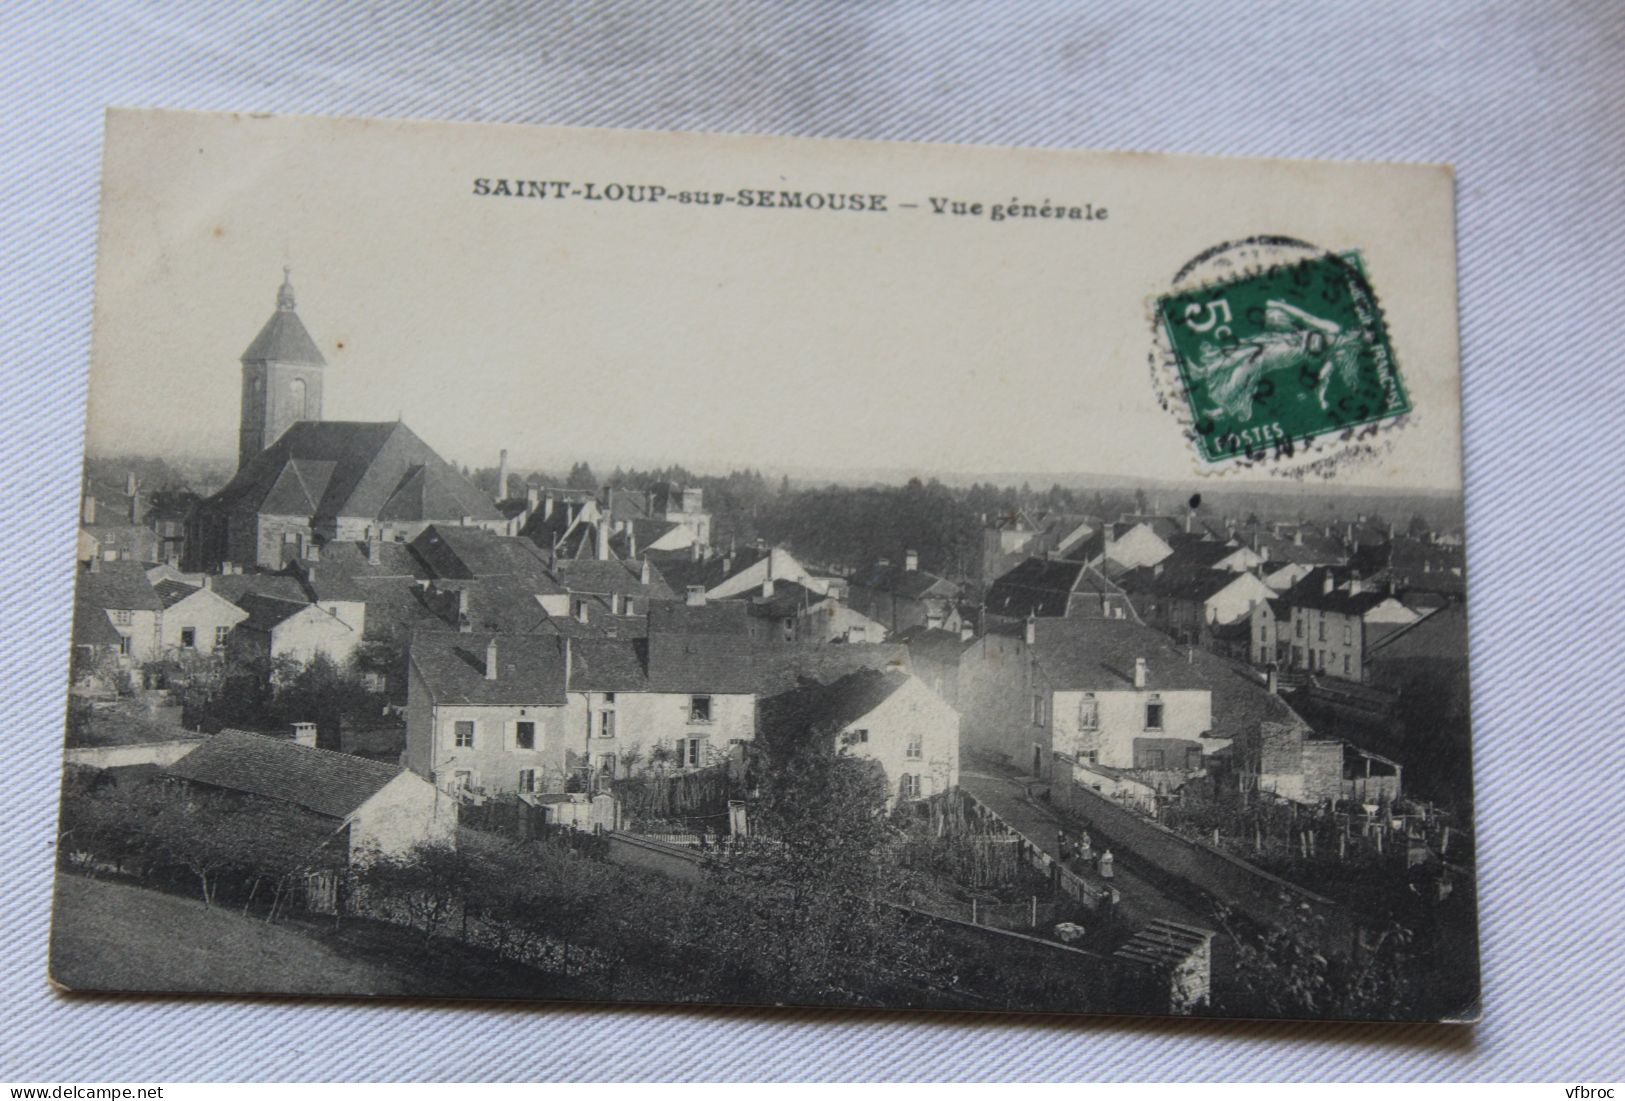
<point x="1274" y="353"/>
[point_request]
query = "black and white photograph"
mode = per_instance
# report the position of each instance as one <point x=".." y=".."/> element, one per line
<point x="583" y="566"/>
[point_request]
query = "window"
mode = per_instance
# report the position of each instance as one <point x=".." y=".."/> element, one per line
<point x="1193" y="757"/>
<point x="1322" y="633"/>
<point x="124" y="645"/>
<point x="1038" y="709"/>
<point x="1345" y="665"/>
<point x="914" y="750"/>
<point x="1153" y="713"/>
<point x="527" y="779"/>
<point x="578" y="609"/>
<point x="617" y="603"/>
<point x="606" y="724"/>
<point x="1348" y="634"/>
<point x="1263" y="633"/>
<point x="1297" y="625"/>
<point x="524" y="737"/>
<point x="690" y="752"/>
<point x="908" y="786"/>
<point x="631" y="606"/>
<point x="220" y="635"/>
<point x="606" y="764"/>
<point x="1152" y="759"/>
<point x="123" y="617"/>
<point x="464" y="729"/>
<point x="189" y="638"/>
<point x="1090" y="756"/>
<point x="699" y="709"/>
<point x="855" y="737"/>
<point x="462" y="779"/>
<point x="1089" y="712"/>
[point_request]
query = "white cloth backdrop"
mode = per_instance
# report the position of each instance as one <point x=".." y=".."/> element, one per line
<point x="1526" y="99"/>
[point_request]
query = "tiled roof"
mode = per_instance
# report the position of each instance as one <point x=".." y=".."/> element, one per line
<point x="320" y="780"/>
<point x="714" y="617"/>
<point x="909" y="584"/>
<point x="606" y="576"/>
<point x="530" y="668"/>
<point x="327" y="469"/>
<point x="781" y="668"/>
<point x="235" y="586"/>
<point x="91" y="627"/>
<point x="701" y="663"/>
<point x="118" y="586"/>
<point x="454" y="552"/>
<point x="267" y="612"/>
<point x="285" y="339"/>
<point x="1310" y="592"/>
<point x="1440" y="634"/>
<point x="789" y="598"/>
<point x="808" y="707"/>
<point x="171" y="592"/>
<point x="608" y="665"/>
<point x="681" y="571"/>
<point x="933" y="644"/>
<point x="1099" y="655"/>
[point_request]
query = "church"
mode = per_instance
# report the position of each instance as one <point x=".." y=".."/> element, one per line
<point x="302" y="481"/>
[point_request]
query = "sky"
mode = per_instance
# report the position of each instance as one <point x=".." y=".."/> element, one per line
<point x="717" y="335"/>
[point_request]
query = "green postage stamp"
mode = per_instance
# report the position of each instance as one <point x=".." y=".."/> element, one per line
<point x="1275" y="356"/>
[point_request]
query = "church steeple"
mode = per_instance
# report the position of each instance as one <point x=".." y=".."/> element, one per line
<point x="282" y="377"/>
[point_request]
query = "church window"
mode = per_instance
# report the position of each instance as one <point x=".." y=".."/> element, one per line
<point x="296" y="391"/>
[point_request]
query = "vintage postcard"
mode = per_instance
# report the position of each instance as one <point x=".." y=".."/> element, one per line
<point x="585" y="565"/>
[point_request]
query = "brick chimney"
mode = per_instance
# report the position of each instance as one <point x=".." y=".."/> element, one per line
<point x="491" y="660"/>
<point x="1139" y="672"/>
<point x="911" y="560"/>
<point x="1029" y="633"/>
<point x="502" y="475"/>
<point x="304" y="734"/>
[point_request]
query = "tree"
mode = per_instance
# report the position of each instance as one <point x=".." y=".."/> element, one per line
<point x="807" y="921"/>
<point x="581" y="477"/>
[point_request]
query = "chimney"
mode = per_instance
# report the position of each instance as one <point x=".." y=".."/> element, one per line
<point x="1139" y="672"/>
<point x="1326" y="584"/>
<point x="1264" y="554"/>
<point x="88" y="509"/>
<point x="135" y="507"/>
<point x="1297" y="538"/>
<point x="767" y="588"/>
<point x="694" y="551"/>
<point x="464" y="624"/>
<point x="491" y="660"/>
<point x="310" y="574"/>
<point x="547" y="506"/>
<point x="304" y="734"/>
<point x="966" y="631"/>
<point x="375" y="551"/>
<point x="631" y="541"/>
<point x="911" y="560"/>
<point x="1030" y="632"/>
<point x="130" y="483"/>
<point x="205" y="581"/>
<point x="727" y="565"/>
<point x="695" y="597"/>
<point x="1354" y="585"/>
<point x="533" y="497"/>
<point x="646" y="573"/>
<point x="502" y="475"/>
<point x="602" y="539"/>
<point x="1272" y="680"/>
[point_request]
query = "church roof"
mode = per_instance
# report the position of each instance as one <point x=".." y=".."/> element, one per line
<point x="284" y="339"/>
<point x="328" y="469"/>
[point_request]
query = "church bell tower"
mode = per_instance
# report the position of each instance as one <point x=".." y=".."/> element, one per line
<point x="282" y="378"/>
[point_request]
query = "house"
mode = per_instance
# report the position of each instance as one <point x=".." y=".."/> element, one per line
<point x="788" y="611"/>
<point x="891" y="718"/>
<point x="1009" y="538"/>
<point x="1050" y="588"/>
<point x="364" y="807"/>
<point x="734" y="572"/>
<point x="1117" y="547"/>
<point x="1269" y="633"/>
<point x="566" y="523"/>
<point x="934" y="655"/>
<point x="899" y="597"/>
<point x="120" y="588"/>
<point x="276" y="628"/>
<point x="113" y="525"/>
<point x="1108" y="692"/>
<point x="1193" y="604"/>
<point x="196" y="619"/>
<point x="493" y="713"/>
<point x="665" y="503"/>
<point x="1336" y="618"/>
